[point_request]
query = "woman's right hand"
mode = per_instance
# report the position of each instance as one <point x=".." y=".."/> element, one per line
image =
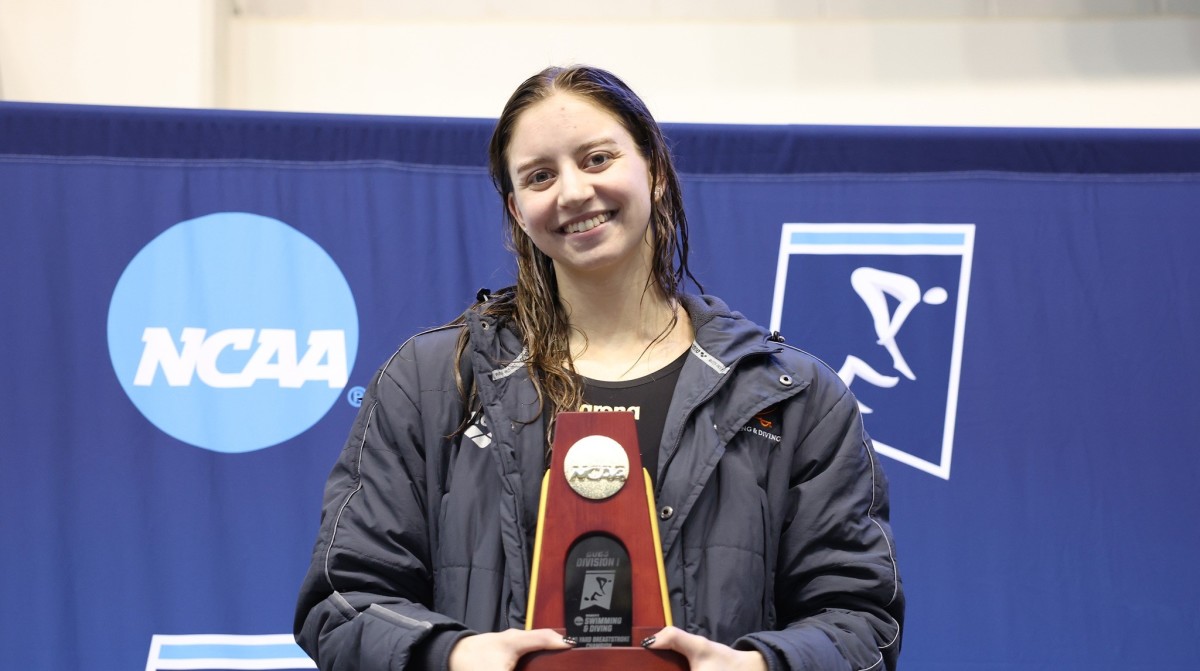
<point x="500" y="651"/>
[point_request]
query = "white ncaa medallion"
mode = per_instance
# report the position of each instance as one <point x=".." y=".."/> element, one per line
<point x="596" y="467"/>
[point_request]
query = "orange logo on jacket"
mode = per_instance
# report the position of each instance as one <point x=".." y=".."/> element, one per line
<point x="762" y="417"/>
<point x="764" y="420"/>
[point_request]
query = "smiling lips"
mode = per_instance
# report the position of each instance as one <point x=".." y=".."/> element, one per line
<point x="587" y="224"/>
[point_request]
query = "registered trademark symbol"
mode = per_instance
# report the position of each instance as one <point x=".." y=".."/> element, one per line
<point x="354" y="396"/>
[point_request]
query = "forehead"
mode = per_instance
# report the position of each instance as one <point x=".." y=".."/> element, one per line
<point x="562" y="123"/>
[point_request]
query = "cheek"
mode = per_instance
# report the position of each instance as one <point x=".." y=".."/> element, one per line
<point x="535" y="211"/>
<point x="516" y="211"/>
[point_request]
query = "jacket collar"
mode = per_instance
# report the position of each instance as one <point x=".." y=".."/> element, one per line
<point x="723" y="334"/>
<point x="720" y="333"/>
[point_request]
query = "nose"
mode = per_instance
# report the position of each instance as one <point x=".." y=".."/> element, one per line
<point x="575" y="188"/>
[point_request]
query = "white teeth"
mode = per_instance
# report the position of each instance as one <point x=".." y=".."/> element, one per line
<point x="589" y="224"/>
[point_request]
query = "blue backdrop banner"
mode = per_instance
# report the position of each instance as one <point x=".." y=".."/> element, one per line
<point x="193" y="302"/>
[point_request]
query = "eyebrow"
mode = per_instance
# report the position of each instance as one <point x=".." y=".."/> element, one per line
<point x="581" y="149"/>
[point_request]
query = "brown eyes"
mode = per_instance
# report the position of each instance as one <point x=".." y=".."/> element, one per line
<point x="597" y="160"/>
<point x="591" y="161"/>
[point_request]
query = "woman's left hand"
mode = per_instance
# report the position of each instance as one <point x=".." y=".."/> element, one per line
<point x="705" y="655"/>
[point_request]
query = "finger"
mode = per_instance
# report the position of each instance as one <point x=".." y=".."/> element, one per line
<point x="552" y="640"/>
<point x="537" y="639"/>
<point x="673" y="638"/>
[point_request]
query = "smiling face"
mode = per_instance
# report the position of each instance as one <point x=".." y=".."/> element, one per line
<point x="581" y="188"/>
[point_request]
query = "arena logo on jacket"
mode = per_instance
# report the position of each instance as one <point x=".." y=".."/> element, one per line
<point x="886" y="306"/>
<point x="232" y="332"/>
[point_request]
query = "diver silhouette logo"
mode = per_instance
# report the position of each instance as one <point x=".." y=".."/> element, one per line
<point x="597" y="589"/>
<point x="889" y="302"/>
<point x="874" y="287"/>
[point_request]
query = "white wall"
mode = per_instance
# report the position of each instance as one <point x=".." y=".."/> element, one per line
<point x="960" y="62"/>
<point x="113" y="52"/>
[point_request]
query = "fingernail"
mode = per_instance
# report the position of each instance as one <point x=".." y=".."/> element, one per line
<point x="570" y="641"/>
<point x="648" y="641"/>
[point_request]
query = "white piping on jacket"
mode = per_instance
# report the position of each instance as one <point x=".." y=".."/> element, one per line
<point x="342" y="603"/>
<point x="871" y="516"/>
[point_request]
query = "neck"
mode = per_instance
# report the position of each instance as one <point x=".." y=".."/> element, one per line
<point x="620" y="328"/>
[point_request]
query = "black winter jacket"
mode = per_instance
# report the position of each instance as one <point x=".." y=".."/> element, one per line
<point x="773" y="507"/>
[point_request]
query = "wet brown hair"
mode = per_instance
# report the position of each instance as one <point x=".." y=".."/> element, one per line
<point x="534" y="306"/>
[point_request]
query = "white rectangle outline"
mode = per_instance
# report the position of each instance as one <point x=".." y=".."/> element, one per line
<point x="966" y="251"/>
<point x="157" y="642"/>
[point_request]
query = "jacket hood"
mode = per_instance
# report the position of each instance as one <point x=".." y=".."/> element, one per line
<point x="724" y="334"/>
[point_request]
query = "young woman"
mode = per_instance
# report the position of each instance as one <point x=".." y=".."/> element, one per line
<point x="772" y="505"/>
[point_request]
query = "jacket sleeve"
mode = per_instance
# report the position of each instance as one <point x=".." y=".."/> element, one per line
<point x="366" y="601"/>
<point x="838" y="596"/>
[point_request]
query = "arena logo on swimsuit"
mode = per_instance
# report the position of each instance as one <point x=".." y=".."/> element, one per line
<point x="232" y="332"/>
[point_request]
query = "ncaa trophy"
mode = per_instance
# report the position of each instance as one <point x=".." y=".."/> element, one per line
<point x="597" y="563"/>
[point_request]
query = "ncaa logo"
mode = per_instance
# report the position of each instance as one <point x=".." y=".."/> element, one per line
<point x="886" y="304"/>
<point x="232" y="332"/>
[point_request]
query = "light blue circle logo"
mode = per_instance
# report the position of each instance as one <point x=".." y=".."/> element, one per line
<point x="232" y="332"/>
